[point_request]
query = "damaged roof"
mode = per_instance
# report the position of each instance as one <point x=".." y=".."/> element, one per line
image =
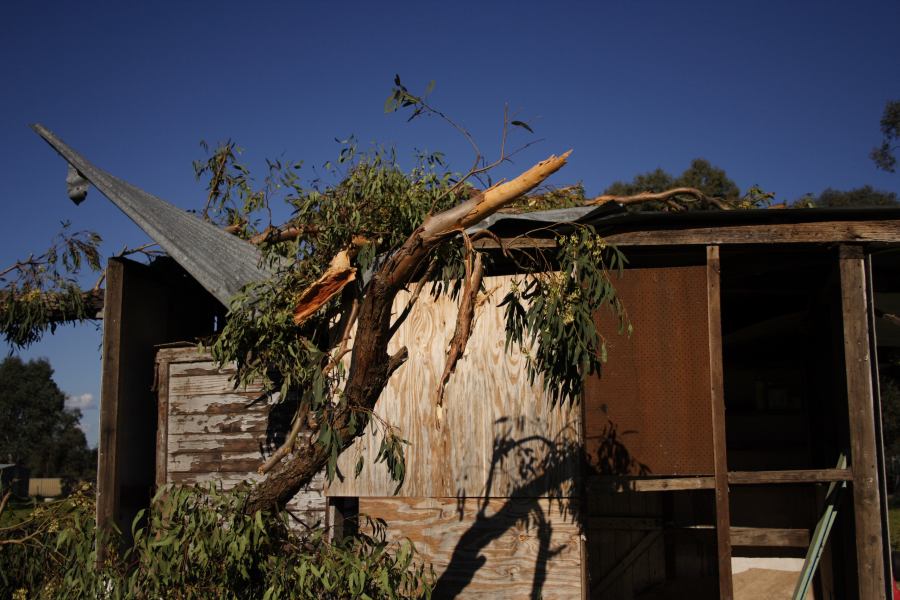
<point x="221" y="262"/>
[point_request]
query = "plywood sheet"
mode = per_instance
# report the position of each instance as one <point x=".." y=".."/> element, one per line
<point x="499" y="435"/>
<point x="499" y="548"/>
<point x="649" y="411"/>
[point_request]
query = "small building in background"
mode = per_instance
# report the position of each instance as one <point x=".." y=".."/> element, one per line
<point x="14" y="478"/>
<point x="46" y="487"/>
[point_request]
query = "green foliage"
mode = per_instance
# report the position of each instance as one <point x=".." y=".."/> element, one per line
<point x="38" y="431"/>
<point x="42" y="291"/>
<point x="554" y="198"/>
<point x="855" y="198"/>
<point x="370" y="211"/>
<point x="198" y="543"/>
<point x="551" y="315"/>
<point x="233" y="197"/>
<point x="884" y="155"/>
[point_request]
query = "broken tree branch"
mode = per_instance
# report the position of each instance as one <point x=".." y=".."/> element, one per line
<point x="371" y="366"/>
<point x="668" y="196"/>
<point x="465" y="319"/>
<point x="338" y="274"/>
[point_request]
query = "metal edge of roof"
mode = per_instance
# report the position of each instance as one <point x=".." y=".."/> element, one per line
<point x="221" y="262"/>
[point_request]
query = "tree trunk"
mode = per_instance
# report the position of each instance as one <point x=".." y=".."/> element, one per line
<point x="370" y="364"/>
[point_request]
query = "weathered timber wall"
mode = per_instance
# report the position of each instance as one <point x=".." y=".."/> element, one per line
<point x="211" y="432"/>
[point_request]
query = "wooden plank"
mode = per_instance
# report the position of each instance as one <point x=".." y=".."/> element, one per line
<point x="765" y="536"/>
<point x="223" y="403"/>
<point x="162" y="421"/>
<point x="649" y="484"/>
<point x="740" y="536"/>
<point x="777" y="233"/>
<point x="863" y="448"/>
<point x="499" y="435"/>
<point x="499" y="548"/>
<point x="107" y="480"/>
<point x="219" y="423"/>
<point x="879" y="429"/>
<point x="791" y="476"/>
<point x="717" y="395"/>
<point x="820" y="536"/>
<point x="212" y="384"/>
<point x="636" y="551"/>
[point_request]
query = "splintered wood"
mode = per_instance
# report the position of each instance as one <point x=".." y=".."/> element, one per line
<point x="338" y="274"/>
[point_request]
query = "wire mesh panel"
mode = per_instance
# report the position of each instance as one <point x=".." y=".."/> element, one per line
<point x="649" y="411"/>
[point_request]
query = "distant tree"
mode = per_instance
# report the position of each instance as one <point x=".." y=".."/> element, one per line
<point x="700" y="176"/>
<point x="858" y="197"/>
<point x="37" y="430"/>
<point x="884" y="155"/>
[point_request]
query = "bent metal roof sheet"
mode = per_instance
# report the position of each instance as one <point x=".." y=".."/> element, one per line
<point x="221" y="262"/>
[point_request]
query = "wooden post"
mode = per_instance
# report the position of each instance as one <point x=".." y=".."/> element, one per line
<point x="162" y="422"/>
<point x="717" y="394"/>
<point x="107" y="457"/>
<point x="860" y="404"/>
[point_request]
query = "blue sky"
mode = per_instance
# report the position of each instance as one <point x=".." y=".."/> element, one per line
<point x="786" y="95"/>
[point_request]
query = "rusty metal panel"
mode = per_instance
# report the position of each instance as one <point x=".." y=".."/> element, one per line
<point x="649" y="411"/>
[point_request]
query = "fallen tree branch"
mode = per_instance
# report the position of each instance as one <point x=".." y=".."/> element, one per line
<point x="465" y="320"/>
<point x="668" y="196"/>
<point x="371" y="366"/>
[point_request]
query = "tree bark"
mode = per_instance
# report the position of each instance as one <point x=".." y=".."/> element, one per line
<point x="370" y="364"/>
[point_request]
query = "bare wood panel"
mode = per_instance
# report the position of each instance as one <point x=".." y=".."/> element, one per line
<point x="759" y="536"/>
<point x="162" y="421"/>
<point x="717" y="402"/>
<point x="863" y="447"/>
<point x="222" y="423"/>
<point x="223" y="403"/>
<point x="205" y="384"/>
<point x="887" y="230"/>
<point x="514" y="548"/>
<point x="495" y="426"/>
<point x="649" y="484"/>
<point x="793" y="476"/>
<point x="648" y="411"/>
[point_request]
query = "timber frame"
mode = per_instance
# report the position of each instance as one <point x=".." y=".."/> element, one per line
<point x="709" y="241"/>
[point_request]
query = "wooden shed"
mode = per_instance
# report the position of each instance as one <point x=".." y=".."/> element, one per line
<point x="740" y="418"/>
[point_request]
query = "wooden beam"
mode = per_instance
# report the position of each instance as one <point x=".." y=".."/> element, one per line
<point x="717" y="395"/>
<point x="763" y="536"/>
<point x="740" y="536"/>
<point x="162" y="420"/>
<point x="863" y="449"/>
<point x="776" y="233"/>
<point x="107" y="454"/>
<point x="796" y="476"/>
<point x="650" y="484"/>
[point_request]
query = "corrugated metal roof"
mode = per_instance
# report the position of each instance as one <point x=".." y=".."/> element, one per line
<point x="221" y="262"/>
